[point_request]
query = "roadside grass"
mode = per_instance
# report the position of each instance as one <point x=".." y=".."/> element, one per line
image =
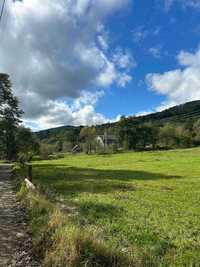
<point x="130" y="209"/>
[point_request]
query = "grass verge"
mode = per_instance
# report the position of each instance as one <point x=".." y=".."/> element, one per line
<point x="60" y="241"/>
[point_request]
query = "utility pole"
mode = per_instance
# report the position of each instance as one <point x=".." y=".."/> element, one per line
<point x="2" y="10"/>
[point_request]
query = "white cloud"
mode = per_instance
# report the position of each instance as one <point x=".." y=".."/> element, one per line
<point x="143" y="113"/>
<point x="189" y="59"/>
<point x="124" y="60"/>
<point x="184" y="4"/>
<point x="103" y="42"/>
<point x="168" y="4"/>
<point x="56" y="50"/>
<point x="156" y="31"/>
<point x="80" y="112"/>
<point x="155" y="51"/>
<point x="191" y="3"/>
<point x="179" y="85"/>
<point x="139" y="34"/>
<point x="124" y="79"/>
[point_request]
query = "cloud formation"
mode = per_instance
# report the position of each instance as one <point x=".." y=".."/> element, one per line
<point x="155" y="51"/>
<point x="184" y="3"/>
<point x="55" y="51"/>
<point x="80" y="112"/>
<point x="179" y="85"/>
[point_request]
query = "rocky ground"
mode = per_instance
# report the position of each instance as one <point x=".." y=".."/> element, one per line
<point x="15" y="238"/>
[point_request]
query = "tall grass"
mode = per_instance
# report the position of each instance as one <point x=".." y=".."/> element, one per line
<point x="60" y="242"/>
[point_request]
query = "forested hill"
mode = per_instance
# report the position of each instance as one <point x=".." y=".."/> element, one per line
<point x="190" y="110"/>
<point x="178" y="114"/>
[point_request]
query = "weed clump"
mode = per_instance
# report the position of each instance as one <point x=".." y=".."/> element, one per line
<point x="75" y="247"/>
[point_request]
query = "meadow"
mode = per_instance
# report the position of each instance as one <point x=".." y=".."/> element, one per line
<point x="145" y="205"/>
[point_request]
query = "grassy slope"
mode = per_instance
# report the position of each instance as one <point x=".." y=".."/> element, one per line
<point x="147" y="201"/>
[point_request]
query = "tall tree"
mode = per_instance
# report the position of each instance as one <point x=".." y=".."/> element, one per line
<point x="10" y="115"/>
<point x="88" y="134"/>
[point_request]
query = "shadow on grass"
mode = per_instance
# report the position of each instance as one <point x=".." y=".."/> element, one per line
<point x="71" y="180"/>
<point x="94" y="211"/>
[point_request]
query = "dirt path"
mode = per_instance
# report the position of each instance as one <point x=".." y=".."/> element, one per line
<point x="13" y="227"/>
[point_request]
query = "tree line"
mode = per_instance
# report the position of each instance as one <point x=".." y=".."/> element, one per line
<point x="158" y="135"/>
<point x="129" y="134"/>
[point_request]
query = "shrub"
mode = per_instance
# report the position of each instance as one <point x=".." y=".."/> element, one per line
<point x="46" y="150"/>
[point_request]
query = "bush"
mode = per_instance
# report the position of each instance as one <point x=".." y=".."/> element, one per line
<point x="46" y="150"/>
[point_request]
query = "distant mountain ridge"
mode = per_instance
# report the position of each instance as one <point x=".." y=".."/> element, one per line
<point x="176" y="113"/>
<point x="180" y="113"/>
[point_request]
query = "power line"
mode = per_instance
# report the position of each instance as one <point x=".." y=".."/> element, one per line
<point x="2" y="10"/>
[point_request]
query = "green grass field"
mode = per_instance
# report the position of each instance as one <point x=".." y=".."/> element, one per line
<point x="146" y="203"/>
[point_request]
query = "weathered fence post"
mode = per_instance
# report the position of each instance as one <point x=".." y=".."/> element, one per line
<point x="30" y="173"/>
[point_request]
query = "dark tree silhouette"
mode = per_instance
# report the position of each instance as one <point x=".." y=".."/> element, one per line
<point x="10" y="115"/>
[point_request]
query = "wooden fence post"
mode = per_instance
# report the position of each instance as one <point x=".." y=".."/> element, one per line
<point x="30" y="173"/>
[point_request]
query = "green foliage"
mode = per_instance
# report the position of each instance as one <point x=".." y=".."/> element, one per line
<point x="10" y="115"/>
<point x="143" y="204"/>
<point x="26" y="141"/>
<point x="66" y="136"/>
<point x="27" y="145"/>
<point x="87" y="135"/>
<point x="177" y="127"/>
<point x="46" y="150"/>
<point x="15" y="141"/>
<point x="168" y="135"/>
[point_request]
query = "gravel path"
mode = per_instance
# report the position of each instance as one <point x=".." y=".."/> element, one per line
<point x="15" y="241"/>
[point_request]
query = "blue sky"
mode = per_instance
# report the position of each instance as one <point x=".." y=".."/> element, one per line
<point x="163" y="34"/>
<point x="88" y="62"/>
